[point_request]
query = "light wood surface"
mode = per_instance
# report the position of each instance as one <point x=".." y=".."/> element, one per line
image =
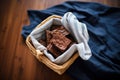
<point x="16" y="62"/>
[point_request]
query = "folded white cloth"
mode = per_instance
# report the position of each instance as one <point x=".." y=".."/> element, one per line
<point x="76" y="28"/>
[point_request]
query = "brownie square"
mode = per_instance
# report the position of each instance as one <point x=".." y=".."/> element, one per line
<point x="60" y="41"/>
<point x="62" y="30"/>
<point x="52" y="49"/>
<point x="48" y="36"/>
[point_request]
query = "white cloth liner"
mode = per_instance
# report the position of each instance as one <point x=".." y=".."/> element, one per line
<point x="77" y="29"/>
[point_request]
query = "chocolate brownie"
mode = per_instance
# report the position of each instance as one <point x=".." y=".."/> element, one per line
<point x="55" y="52"/>
<point x="60" y="41"/>
<point x="43" y="42"/>
<point x="48" y="36"/>
<point x="62" y="30"/>
<point x="57" y="40"/>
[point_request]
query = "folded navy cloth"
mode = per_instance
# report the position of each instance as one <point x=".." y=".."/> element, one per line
<point x="103" y="24"/>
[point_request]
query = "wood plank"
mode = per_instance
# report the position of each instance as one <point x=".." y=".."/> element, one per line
<point x="16" y="60"/>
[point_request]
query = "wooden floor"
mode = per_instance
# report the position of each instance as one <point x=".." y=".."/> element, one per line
<point x="16" y="62"/>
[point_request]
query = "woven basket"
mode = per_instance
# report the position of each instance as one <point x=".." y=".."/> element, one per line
<point x="60" y="69"/>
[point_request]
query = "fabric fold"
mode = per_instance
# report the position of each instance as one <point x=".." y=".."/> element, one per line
<point x="79" y="30"/>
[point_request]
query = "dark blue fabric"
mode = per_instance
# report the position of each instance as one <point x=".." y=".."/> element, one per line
<point x="103" y="23"/>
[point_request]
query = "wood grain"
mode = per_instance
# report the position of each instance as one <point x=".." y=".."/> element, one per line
<point x="16" y="62"/>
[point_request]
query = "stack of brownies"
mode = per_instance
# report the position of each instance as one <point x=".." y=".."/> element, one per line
<point x="58" y="40"/>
